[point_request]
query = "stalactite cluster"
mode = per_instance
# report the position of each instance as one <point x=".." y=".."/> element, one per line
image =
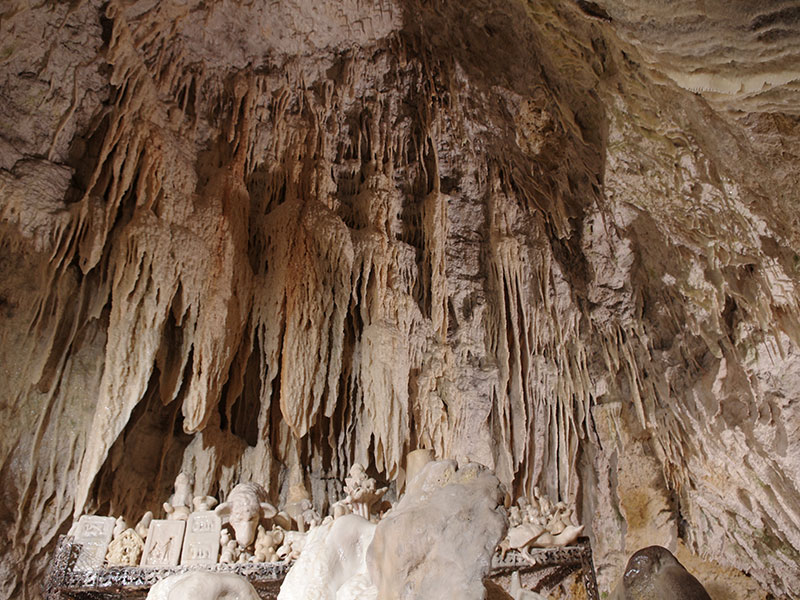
<point x="242" y="239"/>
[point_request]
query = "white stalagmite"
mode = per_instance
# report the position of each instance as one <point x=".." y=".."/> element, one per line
<point x="332" y="563"/>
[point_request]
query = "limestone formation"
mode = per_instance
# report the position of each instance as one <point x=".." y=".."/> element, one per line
<point x="334" y="554"/>
<point x="559" y="238"/>
<point x="416" y="461"/>
<point x="439" y="540"/>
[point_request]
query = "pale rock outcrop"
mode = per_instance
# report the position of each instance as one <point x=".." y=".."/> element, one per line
<point x="439" y="540"/>
<point x="333" y="563"/>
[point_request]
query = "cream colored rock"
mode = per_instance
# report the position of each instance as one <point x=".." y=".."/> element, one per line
<point x="416" y="461"/>
<point x="203" y="585"/>
<point x="333" y="560"/>
<point x="292" y="545"/>
<point x="439" y="539"/>
<point x="317" y="233"/>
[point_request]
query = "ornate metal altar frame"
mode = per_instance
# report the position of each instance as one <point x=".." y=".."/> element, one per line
<point x="560" y="561"/>
<point x="65" y="582"/>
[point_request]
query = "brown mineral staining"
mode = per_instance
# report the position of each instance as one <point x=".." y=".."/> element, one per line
<point x="556" y="239"/>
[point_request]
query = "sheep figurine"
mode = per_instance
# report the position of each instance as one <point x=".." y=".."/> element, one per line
<point x="245" y="507"/>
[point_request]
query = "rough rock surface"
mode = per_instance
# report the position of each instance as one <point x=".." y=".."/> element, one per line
<point x="333" y="565"/>
<point x="558" y="238"/>
<point x="439" y="540"/>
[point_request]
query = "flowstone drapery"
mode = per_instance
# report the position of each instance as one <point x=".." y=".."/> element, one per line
<point x="251" y="240"/>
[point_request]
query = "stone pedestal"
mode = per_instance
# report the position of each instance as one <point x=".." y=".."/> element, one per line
<point x="415" y="461"/>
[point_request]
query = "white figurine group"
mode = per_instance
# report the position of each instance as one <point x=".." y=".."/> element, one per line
<point x="539" y="524"/>
<point x="197" y="531"/>
<point x="246" y="528"/>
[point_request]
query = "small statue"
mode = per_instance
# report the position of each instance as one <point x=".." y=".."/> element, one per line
<point x="361" y="490"/>
<point x="292" y="546"/>
<point x="311" y="517"/>
<point x="229" y="548"/>
<point x="303" y="514"/>
<point x="245" y="507"/>
<point x="244" y="557"/>
<point x="119" y="526"/>
<point x="203" y="503"/>
<point x="143" y="526"/>
<point x="557" y="522"/>
<point x="125" y="549"/>
<point x="539" y="524"/>
<point x="178" y="508"/>
<point x="267" y="543"/>
<point x="299" y="507"/>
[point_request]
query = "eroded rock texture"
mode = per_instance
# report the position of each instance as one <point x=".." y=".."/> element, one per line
<point x="239" y="237"/>
<point x="440" y="538"/>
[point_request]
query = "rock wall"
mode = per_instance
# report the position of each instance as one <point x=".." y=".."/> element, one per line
<point x="237" y="238"/>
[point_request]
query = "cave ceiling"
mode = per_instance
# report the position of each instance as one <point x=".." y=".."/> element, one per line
<point x="559" y="238"/>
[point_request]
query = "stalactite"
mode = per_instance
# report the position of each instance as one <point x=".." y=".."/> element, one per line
<point x="388" y="234"/>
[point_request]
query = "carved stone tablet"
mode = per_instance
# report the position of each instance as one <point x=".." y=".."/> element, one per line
<point x="164" y="541"/>
<point x="93" y="534"/>
<point x="201" y="543"/>
<point x="125" y="550"/>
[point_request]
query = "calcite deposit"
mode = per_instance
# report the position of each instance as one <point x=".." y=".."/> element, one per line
<point x="559" y="238"/>
<point x="440" y="538"/>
